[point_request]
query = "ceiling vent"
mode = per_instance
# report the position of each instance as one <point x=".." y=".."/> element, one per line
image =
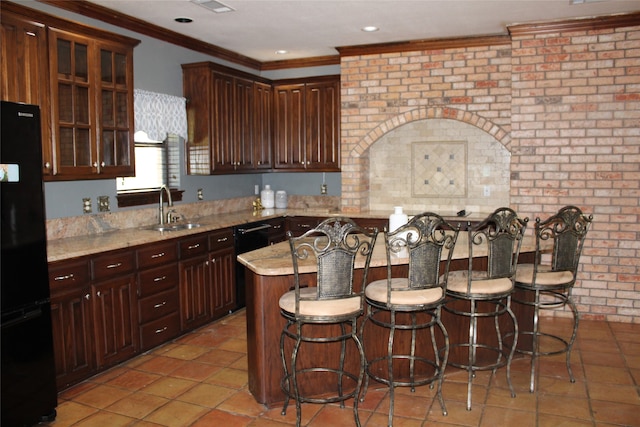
<point x="585" y="1"/>
<point x="213" y="5"/>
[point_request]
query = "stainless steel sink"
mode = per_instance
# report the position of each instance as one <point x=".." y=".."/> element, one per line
<point x="175" y="226"/>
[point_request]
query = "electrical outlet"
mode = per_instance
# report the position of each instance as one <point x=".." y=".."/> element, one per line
<point x="200" y="194"/>
<point x="323" y="189"/>
<point x="86" y="205"/>
<point x="487" y="190"/>
<point x="103" y="204"/>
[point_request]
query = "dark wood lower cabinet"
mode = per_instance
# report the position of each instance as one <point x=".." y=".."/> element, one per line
<point x="115" y="320"/>
<point x="74" y="347"/>
<point x="207" y="278"/>
<point x="195" y="309"/>
<point x="94" y="321"/>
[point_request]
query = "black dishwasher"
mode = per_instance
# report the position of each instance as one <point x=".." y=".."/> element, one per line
<point x="252" y="236"/>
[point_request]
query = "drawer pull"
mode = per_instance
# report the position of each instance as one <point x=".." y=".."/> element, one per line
<point x="224" y="239"/>
<point x="159" y="331"/>
<point x="304" y="225"/>
<point x="66" y="277"/>
<point x="163" y="303"/>
<point x="159" y="279"/>
<point x="160" y="255"/>
<point x="116" y="265"/>
<point x="197" y="245"/>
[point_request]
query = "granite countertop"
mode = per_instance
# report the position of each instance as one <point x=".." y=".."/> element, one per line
<point x="72" y="247"/>
<point x="275" y="260"/>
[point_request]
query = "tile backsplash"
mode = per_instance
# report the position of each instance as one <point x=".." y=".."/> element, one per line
<point x="440" y="165"/>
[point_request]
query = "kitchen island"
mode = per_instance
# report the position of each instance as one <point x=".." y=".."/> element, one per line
<point x="269" y="273"/>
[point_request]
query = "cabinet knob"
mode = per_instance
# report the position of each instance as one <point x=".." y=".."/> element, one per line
<point x="87" y="296"/>
<point x="47" y="165"/>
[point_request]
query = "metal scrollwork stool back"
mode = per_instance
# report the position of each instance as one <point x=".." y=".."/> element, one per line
<point x="325" y="314"/>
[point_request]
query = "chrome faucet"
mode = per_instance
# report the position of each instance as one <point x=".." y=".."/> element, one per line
<point x="162" y="218"/>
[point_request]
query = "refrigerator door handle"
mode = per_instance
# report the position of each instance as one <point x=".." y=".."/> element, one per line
<point x="25" y="317"/>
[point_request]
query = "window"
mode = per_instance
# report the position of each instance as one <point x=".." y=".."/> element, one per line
<point x="157" y="116"/>
<point x="157" y="164"/>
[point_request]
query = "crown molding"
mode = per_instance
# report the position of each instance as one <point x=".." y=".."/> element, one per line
<point x="577" y="24"/>
<point x="301" y="62"/>
<point x="418" y="45"/>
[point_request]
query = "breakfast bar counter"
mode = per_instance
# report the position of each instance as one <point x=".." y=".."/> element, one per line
<point x="269" y="274"/>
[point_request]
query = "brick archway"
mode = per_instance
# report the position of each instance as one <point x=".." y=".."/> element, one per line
<point x="355" y="173"/>
<point x="431" y="113"/>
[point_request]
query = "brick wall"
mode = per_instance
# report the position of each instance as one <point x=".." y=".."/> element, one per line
<point x="567" y="106"/>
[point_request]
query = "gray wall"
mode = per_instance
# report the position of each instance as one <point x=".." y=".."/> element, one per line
<point x="157" y="69"/>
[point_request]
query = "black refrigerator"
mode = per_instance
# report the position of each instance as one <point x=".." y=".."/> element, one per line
<point x="28" y="370"/>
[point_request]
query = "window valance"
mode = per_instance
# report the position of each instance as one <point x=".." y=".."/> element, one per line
<point x="158" y="114"/>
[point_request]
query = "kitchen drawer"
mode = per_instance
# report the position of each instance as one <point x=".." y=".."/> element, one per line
<point x="221" y="239"/>
<point x="157" y="254"/>
<point x="68" y="273"/>
<point x="158" y="305"/>
<point x="157" y="279"/>
<point x="301" y="224"/>
<point x="276" y="233"/>
<point x="159" y="331"/>
<point x="112" y="264"/>
<point x="371" y="223"/>
<point x="193" y="246"/>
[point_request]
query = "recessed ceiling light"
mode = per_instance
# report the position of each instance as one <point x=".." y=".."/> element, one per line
<point x="281" y="52"/>
<point x="370" y="29"/>
<point x="183" y="20"/>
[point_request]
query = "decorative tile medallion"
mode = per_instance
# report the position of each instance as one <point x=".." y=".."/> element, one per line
<point x="439" y="169"/>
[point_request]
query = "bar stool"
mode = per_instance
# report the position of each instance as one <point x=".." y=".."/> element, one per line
<point x="483" y="291"/>
<point x="550" y="279"/>
<point x="412" y="303"/>
<point x="326" y="313"/>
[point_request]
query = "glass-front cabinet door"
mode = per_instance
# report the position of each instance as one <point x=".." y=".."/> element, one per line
<point x="115" y="113"/>
<point x="92" y="95"/>
<point x="71" y="90"/>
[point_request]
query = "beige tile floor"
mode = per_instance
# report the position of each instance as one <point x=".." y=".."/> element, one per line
<point x="201" y="380"/>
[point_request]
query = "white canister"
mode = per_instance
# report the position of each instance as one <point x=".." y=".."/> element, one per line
<point x="397" y="218"/>
<point x="281" y="199"/>
<point x="267" y="197"/>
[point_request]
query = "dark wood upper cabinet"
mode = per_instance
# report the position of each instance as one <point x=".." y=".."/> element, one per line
<point x="322" y="109"/>
<point x="240" y="123"/>
<point x="262" y="125"/>
<point x="307" y="124"/>
<point x="24" y="75"/>
<point x="92" y="98"/>
<point x="289" y="124"/>
<point x="229" y="120"/>
<point x="82" y="79"/>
